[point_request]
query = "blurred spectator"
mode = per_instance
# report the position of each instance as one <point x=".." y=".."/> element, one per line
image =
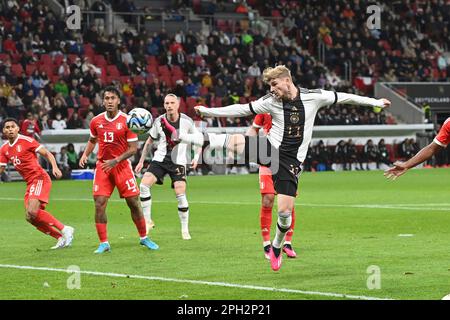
<point x="30" y="127"/>
<point x="370" y="156"/>
<point x="59" y="123"/>
<point x="75" y="122"/>
<point x="384" y="157"/>
<point x="72" y="157"/>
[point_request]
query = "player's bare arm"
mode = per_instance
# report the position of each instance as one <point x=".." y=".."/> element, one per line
<point x="89" y="148"/>
<point x="424" y="154"/>
<point x="51" y="158"/>
<point x="140" y="164"/>
<point x="108" y="165"/>
<point x="252" y="131"/>
<point x="197" y="153"/>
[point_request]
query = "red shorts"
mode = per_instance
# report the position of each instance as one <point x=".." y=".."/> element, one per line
<point x="121" y="176"/>
<point x="39" y="188"/>
<point x="265" y="181"/>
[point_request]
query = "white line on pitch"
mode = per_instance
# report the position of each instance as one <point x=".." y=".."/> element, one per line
<point x="411" y="206"/>
<point x="209" y="283"/>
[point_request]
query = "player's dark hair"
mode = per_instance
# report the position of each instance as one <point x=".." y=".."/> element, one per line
<point x="9" y="120"/>
<point x="111" y="89"/>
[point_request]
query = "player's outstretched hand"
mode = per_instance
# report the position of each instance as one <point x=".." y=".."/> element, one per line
<point x="386" y="103"/>
<point x="139" y="167"/>
<point x="198" y="110"/>
<point x="57" y="173"/>
<point x="83" y="161"/>
<point x="396" y="171"/>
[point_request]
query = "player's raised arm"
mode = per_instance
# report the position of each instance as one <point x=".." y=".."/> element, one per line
<point x="50" y="158"/>
<point x="90" y="146"/>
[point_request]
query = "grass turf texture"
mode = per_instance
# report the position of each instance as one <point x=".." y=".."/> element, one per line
<point x="346" y="222"/>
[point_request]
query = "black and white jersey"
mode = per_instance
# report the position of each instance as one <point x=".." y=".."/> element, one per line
<point x="165" y="152"/>
<point x="293" y="120"/>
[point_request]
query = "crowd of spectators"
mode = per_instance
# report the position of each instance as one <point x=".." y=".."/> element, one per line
<point x="60" y="72"/>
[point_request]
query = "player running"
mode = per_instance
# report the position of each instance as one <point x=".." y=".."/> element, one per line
<point x="264" y="121"/>
<point x="293" y="110"/>
<point x="168" y="159"/>
<point x="116" y="144"/>
<point x="21" y="151"/>
<point x="439" y="142"/>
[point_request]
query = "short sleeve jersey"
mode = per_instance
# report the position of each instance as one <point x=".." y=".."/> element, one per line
<point x="443" y="137"/>
<point x="112" y="135"/>
<point x="22" y="154"/>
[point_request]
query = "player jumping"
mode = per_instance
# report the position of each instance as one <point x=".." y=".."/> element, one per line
<point x="264" y="121"/>
<point x="293" y="110"/>
<point x="116" y="144"/>
<point x="21" y="152"/>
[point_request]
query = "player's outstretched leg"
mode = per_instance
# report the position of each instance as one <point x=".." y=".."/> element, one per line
<point x="101" y="223"/>
<point x="139" y="221"/>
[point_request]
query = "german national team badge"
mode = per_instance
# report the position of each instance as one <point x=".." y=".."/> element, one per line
<point x="295" y="118"/>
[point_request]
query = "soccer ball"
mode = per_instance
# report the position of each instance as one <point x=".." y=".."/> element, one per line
<point x="447" y="297"/>
<point x="139" y="120"/>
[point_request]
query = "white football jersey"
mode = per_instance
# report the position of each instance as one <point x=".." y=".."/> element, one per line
<point x="293" y="120"/>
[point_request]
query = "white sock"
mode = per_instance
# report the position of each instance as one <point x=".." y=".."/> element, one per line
<point x="146" y="202"/>
<point x="183" y="212"/>
<point x="266" y="243"/>
<point x="284" y="222"/>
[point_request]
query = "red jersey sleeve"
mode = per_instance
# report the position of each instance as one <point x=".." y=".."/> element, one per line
<point x="93" y="129"/>
<point x="443" y="137"/>
<point x="3" y="159"/>
<point x="131" y="136"/>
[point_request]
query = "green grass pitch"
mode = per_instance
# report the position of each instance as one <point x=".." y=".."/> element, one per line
<point x="346" y="222"/>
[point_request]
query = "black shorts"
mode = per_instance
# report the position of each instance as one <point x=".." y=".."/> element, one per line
<point x="285" y="166"/>
<point x="160" y="169"/>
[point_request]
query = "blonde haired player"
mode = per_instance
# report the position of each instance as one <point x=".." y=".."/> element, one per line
<point x="293" y="110"/>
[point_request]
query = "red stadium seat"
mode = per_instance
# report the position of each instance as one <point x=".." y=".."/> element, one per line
<point x="243" y="100"/>
<point x="17" y="69"/>
<point x="151" y="60"/>
<point x="137" y="79"/>
<point x="58" y="59"/>
<point x="112" y="70"/>
<point x="84" y="102"/>
<point x="203" y="91"/>
<point x="218" y="102"/>
<point x="29" y="69"/>
<point x="183" y="106"/>
<point x="48" y="68"/>
<point x="45" y="59"/>
<point x="164" y="70"/>
<point x="152" y="69"/>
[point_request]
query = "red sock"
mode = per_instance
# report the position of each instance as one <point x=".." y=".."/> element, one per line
<point x="43" y="217"/>
<point x="101" y="231"/>
<point x="45" y="228"/>
<point x="291" y="229"/>
<point x="266" y="222"/>
<point x="141" y="227"/>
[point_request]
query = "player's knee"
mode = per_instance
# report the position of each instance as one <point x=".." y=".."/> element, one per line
<point x="267" y="200"/>
<point x="100" y="204"/>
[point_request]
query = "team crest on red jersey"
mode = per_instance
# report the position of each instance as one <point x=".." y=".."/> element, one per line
<point x="19" y="148"/>
<point x="119" y="126"/>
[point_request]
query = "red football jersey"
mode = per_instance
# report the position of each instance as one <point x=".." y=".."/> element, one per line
<point x="263" y="120"/>
<point x="22" y="154"/>
<point x="112" y="135"/>
<point x="443" y="137"/>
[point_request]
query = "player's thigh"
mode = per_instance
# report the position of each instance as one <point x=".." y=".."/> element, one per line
<point x="179" y="187"/>
<point x="39" y="189"/>
<point x="158" y="170"/>
<point x="149" y="179"/>
<point x="177" y="174"/>
<point x="125" y="181"/>
<point x="102" y="185"/>
<point x="236" y="143"/>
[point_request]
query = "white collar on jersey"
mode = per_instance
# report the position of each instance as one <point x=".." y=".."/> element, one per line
<point x="17" y="139"/>
<point x="111" y="120"/>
